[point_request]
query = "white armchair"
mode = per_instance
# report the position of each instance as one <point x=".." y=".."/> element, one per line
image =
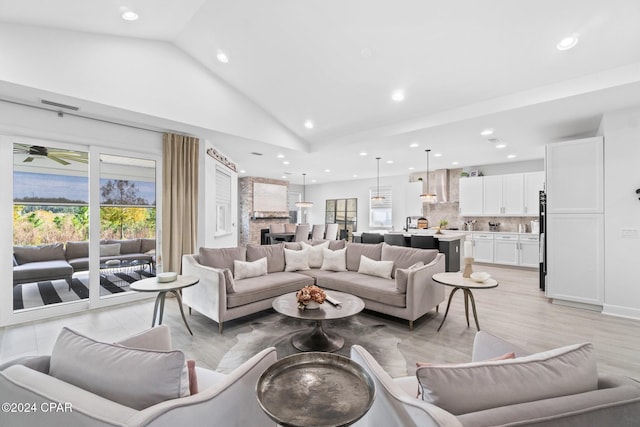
<point x="223" y="399"/>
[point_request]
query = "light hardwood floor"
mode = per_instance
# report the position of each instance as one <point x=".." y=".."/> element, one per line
<point x="516" y="310"/>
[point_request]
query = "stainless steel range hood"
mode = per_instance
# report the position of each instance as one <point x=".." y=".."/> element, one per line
<point x="439" y="183"/>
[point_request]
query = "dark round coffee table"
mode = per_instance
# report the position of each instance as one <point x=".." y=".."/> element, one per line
<point x="318" y="339"/>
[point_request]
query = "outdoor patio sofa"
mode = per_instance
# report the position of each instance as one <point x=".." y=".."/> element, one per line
<point x="408" y="293"/>
<point x="58" y="261"/>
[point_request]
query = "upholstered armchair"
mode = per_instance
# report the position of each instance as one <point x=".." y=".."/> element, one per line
<point x="59" y="395"/>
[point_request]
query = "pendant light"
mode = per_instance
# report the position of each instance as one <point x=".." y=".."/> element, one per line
<point x="428" y="197"/>
<point x="303" y="203"/>
<point x="378" y="197"/>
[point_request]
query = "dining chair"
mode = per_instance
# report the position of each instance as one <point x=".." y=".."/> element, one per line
<point x="302" y="233"/>
<point x="317" y="232"/>
<point x="371" y="238"/>
<point x="395" y="239"/>
<point x="423" y="242"/>
<point x="331" y="232"/>
<point x="276" y="228"/>
<point x="290" y="228"/>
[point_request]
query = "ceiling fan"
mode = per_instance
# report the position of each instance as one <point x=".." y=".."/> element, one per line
<point x="64" y="157"/>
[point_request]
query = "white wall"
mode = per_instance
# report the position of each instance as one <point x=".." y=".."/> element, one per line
<point x="622" y="211"/>
<point x="319" y="193"/>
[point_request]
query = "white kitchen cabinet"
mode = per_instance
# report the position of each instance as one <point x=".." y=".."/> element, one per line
<point x="492" y="195"/>
<point x="513" y="194"/>
<point x="533" y="184"/>
<point x="482" y="247"/>
<point x="471" y="196"/>
<point x="529" y="250"/>
<point x="413" y="203"/>
<point x="505" y="249"/>
<point x="575" y="267"/>
<point x="575" y="171"/>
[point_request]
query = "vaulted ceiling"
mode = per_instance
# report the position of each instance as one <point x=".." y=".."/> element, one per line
<point x="463" y="66"/>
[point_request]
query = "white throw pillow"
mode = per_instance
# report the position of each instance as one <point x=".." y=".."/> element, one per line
<point x="402" y="276"/>
<point x="132" y="377"/>
<point x="334" y="260"/>
<point x="296" y="260"/>
<point x="316" y="253"/>
<point x="471" y="387"/>
<point x="245" y="270"/>
<point x="375" y="268"/>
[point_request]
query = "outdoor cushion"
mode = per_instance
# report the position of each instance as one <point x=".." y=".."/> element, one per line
<point x="127" y="246"/>
<point x="147" y="245"/>
<point x="25" y="254"/>
<point x="75" y="250"/>
<point x="111" y="249"/>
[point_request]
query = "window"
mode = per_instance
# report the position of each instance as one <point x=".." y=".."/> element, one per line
<point x="223" y="202"/>
<point x="380" y="210"/>
<point x="344" y="212"/>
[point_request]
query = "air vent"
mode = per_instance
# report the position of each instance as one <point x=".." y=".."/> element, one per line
<point x="256" y="153"/>
<point x="59" y="105"/>
<point x="494" y="140"/>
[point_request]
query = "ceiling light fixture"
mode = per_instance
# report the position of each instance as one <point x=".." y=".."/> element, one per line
<point x="428" y="197"/>
<point x="303" y="203"/>
<point x="308" y="124"/>
<point x="437" y="155"/>
<point x="567" y="43"/>
<point x="487" y="132"/>
<point x="378" y="197"/>
<point x="363" y="153"/>
<point x="511" y="156"/>
<point x="414" y="145"/>
<point x="501" y="145"/>
<point x="221" y="56"/>
<point x="130" y="15"/>
<point x="286" y="162"/>
<point x="398" y="95"/>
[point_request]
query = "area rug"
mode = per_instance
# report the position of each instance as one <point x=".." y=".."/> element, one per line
<point x="276" y="330"/>
<point x="31" y="295"/>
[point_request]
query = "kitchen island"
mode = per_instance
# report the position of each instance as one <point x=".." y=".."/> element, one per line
<point x="447" y="242"/>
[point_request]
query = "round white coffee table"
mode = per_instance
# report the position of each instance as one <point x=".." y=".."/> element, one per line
<point x="152" y="285"/>
<point x="458" y="282"/>
<point x="318" y="339"/>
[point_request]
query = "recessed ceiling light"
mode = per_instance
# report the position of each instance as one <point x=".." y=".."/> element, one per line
<point x="327" y="170"/>
<point x="487" y="132"/>
<point x="511" y="156"/>
<point x="243" y="171"/>
<point x="308" y="124"/>
<point x="222" y="56"/>
<point x="501" y="145"/>
<point x="398" y="95"/>
<point x="280" y="156"/>
<point x="286" y="162"/>
<point x="284" y="176"/>
<point x="389" y="161"/>
<point x="130" y="15"/>
<point x="363" y="153"/>
<point x="437" y="155"/>
<point x="567" y="43"/>
<point x="355" y="175"/>
<point x="411" y="168"/>
<point x="313" y="180"/>
<point x="454" y="163"/>
<point x="414" y="145"/>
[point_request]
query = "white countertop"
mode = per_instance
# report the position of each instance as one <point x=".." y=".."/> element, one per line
<point x="446" y="236"/>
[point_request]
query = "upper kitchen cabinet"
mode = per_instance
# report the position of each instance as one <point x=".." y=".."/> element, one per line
<point x="570" y="162"/>
<point x="533" y="185"/>
<point x="471" y="196"/>
<point x="503" y="195"/>
<point x="413" y="203"/>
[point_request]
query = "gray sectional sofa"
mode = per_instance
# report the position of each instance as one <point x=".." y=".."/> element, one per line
<point x="58" y="261"/>
<point x="221" y="295"/>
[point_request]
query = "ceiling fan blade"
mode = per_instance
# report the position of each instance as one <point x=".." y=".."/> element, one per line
<point x="20" y="148"/>
<point x="59" y="160"/>
<point x="28" y="160"/>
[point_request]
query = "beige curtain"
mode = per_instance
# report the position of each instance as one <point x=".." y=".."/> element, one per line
<point x="179" y="199"/>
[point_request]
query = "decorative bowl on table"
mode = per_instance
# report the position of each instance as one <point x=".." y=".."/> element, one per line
<point x="167" y="277"/>
<point x="480" y="276"/>
<point x="111" y="262"/>
<point x="310" y="297"/>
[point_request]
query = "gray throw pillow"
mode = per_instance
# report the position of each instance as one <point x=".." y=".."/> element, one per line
<point x="132" y="377"/>
<point x="222" y="257"/>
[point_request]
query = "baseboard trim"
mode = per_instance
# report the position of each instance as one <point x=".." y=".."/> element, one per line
<point x="620" y="311"/>
<point x="574" y="304"/>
